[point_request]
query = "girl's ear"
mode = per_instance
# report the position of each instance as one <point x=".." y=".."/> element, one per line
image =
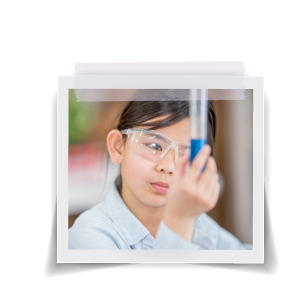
<point x="114" y="143"/>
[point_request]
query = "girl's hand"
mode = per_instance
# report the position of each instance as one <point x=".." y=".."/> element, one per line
<point x="191" y="193"/>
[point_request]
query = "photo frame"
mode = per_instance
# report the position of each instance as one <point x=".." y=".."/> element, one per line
<point x="229" y="83"/>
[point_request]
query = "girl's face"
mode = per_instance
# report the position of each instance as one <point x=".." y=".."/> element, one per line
<point x="140" y="176"/>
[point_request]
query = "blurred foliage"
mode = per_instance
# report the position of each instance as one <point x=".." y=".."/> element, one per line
<point x="80" y="119"/>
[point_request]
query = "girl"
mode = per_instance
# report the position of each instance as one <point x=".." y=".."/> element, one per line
<point x="160" y="200"/>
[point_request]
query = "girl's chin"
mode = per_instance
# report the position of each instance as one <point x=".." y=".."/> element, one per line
<point x="156" y="201"/>
<point x="156" y="205"/>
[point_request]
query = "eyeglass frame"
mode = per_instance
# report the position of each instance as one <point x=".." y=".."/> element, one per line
<point x="171" y="145"/>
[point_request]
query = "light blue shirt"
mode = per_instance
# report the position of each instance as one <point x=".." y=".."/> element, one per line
<point x="111" y="225"/>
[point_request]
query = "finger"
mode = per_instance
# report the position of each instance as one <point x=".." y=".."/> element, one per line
<point x="210" y="196"/>
<point x="206" y="182"/>
<point x="187" y="165"/>
<point x="211" y="166"/>
<point x="182" y="165"/>
<point x="214" y="195"/>
<point x="211" y="181"/>
<point x="199" y="162"/>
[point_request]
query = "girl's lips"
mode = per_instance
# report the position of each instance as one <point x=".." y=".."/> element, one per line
<point x="159" y="187"/>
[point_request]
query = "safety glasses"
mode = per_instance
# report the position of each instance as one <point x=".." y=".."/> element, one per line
<point x="152" y="145"/>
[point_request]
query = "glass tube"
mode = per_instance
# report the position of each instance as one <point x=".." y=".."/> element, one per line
<point x="198" y="120"/>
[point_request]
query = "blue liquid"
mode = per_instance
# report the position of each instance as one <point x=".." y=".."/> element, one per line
<point x="196" y="146"/>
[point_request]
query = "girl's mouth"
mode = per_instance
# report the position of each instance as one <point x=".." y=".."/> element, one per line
<point x="160" y="187"/>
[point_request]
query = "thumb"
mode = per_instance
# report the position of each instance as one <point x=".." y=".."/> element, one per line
<point x="211" y="165"/>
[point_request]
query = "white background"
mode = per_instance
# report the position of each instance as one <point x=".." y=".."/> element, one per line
<point x="41" y="40"/>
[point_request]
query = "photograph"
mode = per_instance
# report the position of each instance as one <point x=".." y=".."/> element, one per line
<point x="160" y="169"/>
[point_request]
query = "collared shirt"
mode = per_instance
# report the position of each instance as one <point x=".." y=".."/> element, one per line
<point x="111" y="225"/>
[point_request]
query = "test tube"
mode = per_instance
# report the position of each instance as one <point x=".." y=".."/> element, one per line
<point x="198" y="120"/>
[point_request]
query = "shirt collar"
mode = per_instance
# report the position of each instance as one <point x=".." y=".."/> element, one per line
<point x="133" y="230"/>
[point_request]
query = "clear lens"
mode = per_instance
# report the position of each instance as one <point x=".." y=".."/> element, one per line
<point x="151" y="145"/>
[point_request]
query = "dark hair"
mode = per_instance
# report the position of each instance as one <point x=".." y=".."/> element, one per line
<point x="146" y="105"/>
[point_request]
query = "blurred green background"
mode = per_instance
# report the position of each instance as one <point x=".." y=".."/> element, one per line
<point x="82" y="118"/>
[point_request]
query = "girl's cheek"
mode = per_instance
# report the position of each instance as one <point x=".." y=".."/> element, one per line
<point x="141" y="170"/>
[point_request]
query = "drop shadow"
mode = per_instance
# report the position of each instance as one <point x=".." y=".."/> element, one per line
<point x="271" y="262"/>
<point x="54" y="150"/>
<point x="267" y="145"/>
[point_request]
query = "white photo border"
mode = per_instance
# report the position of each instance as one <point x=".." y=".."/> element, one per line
<point x="65" y="255"/>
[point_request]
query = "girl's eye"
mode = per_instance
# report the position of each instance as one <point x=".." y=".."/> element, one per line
<point x="154" y="146"/>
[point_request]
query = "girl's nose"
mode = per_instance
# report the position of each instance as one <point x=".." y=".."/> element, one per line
<point x="167" y="163"/>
